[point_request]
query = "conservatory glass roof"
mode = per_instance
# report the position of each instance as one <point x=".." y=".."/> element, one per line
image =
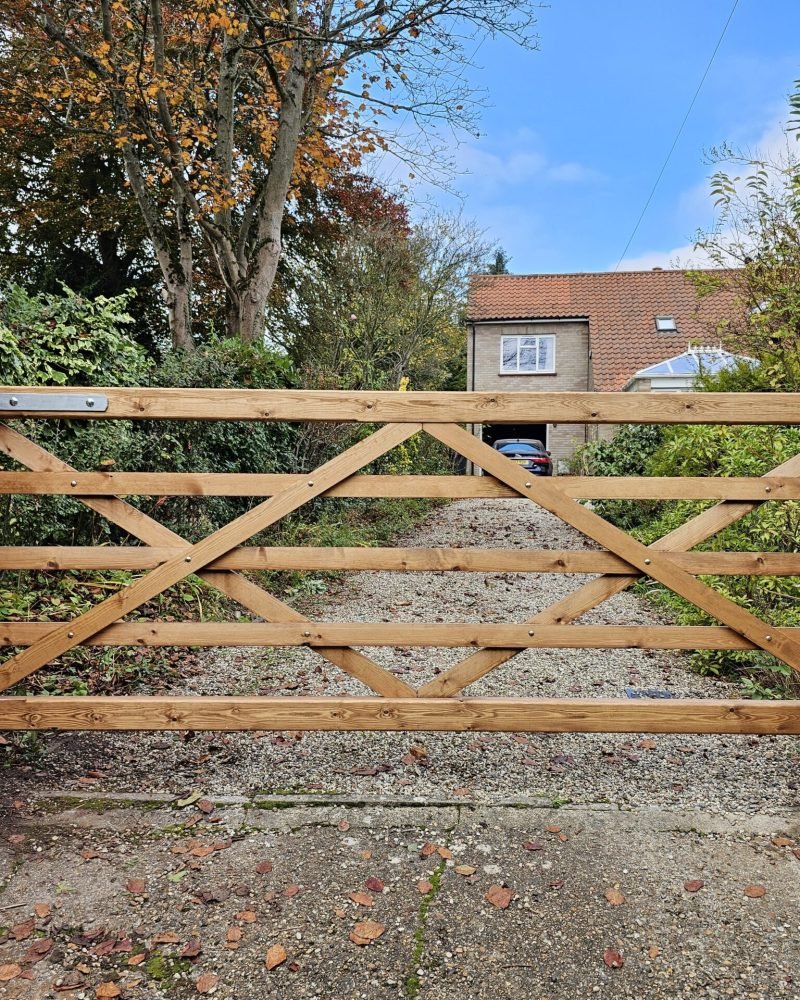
<point x="694" y="361"/>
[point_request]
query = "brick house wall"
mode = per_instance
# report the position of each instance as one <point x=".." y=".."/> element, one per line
<point x="572" y="373"/>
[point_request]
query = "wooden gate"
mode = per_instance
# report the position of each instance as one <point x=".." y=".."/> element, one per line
<point x="392" y="704"/>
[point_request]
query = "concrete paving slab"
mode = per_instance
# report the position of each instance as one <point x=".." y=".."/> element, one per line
<point x="203" y="894"/>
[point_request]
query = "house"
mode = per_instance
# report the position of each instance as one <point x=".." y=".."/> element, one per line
<point x="606" y="332"/>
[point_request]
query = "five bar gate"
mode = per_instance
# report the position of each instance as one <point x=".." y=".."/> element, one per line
<point x="439" y="704"/>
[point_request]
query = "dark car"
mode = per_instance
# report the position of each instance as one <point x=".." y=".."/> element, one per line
<point x="530" y="453"/>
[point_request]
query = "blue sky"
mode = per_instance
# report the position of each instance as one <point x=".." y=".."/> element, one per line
<point x="576" y="132"/>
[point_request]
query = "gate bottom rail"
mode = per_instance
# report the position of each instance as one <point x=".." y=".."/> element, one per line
<point x="531" y="715"/>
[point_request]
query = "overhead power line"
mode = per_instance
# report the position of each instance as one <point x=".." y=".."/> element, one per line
<point x="678" y="134"/>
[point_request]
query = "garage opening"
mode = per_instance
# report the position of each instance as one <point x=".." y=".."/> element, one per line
<point x="495" y="432"/>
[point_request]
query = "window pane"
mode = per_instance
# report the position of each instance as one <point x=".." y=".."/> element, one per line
<point x="546" y="353"/>
<point x="527" y="359"/>
<point x="509" y="354"/>
<point x="529" y="341"/>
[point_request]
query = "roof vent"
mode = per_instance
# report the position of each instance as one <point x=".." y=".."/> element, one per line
<point x="658" y="268"/>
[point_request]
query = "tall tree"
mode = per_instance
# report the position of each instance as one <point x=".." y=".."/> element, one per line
<point x="380" y="301"/>
<point x="220" y="108"/>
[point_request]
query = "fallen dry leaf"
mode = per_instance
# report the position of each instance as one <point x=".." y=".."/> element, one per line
<point x="37" y="951"/>
<point x="694" y="885"/>
<point x="462" y="791"/>
<point x="500" y="896"/>
<point x="206" y="982"/>
<point x="205" y="806"/>
<point x="233" y="937"/>
<point x="362" y="898"/>
<point x="653" y="951"/>
<point x="557" y="883"/>
<point x="202" y="851"/>
<point x="264" y="867"/>
<point x="553" y="829"/>
<point x="192" y="949"/>
<point x="613" y="959"/>
<point x="465" y="870"/>
<point x="424" y="887"/>
<point x="291" y="890"/>
<point x="366" y="855"/>
<point x="366" y="931"/>
<point x="427" y="849"/>
<point x="107" y="990"/>
<point x="647" y="744"/>
<point x="42" y="910"/>
<point x="246" y="916"/>
<point x="135" y="886"/>
<point x="444" y="853"/>
<point x="276" y="956"/>
<point x="614" y="896"/>
<point x="9" y="972"/>
<point x="166" y="937"/>
<point x="754" y="891"/>
<point x="374" y="884"/>
<point x="343" y="826"/>
<point x="340" y="912"/>
<point x="783" y="841"/>
<point x="137" y="959"/>
<point x="22" y="931"/>
<point x="88" y="854"/>
<point x="533" y="845"/>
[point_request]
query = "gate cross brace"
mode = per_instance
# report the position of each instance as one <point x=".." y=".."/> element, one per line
<point x="653" y="561"/>
<point x="194" y="558"/>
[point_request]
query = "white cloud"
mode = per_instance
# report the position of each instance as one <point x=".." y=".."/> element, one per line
<point x="516" y="159"/>
<point x="678" y="257"/>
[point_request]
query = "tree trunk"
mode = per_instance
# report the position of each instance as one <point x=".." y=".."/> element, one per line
<point x="178" y="300"/>
<point x="254" y="290"/>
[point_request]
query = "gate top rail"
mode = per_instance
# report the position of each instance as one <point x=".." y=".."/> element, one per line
<point x="303" y="405"/>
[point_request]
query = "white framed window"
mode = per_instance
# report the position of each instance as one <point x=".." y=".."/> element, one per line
<point x="528" y="355"/>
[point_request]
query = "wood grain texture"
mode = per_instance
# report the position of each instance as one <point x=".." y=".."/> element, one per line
<point x="541" y="715"/>
<point x="431" y="407"/>
<point x="460" y="635"/>
<point x="336" y="559"/>
<point x="453" y="487"/>
<point x="251" y="596"/>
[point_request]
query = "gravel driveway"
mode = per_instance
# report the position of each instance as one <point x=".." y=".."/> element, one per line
<point x="712" y="773"/>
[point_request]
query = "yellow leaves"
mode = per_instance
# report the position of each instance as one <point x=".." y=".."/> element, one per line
<point x="359" y="4"/>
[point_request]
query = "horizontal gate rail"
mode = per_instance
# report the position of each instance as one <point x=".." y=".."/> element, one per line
<point x="453" y="636"/>
<point x="427" y="407"/>
<point x="332" y="559"/>
<point x="453" y="487"/>
<point x="536" y="715"/>
<point x="614" y="561"/>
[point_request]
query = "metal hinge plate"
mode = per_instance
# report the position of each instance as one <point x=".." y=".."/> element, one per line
<point x="53" y="402"/>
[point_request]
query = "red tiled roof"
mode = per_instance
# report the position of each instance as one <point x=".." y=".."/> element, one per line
<point x="620" y="306"/>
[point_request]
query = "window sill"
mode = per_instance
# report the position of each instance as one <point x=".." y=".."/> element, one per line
<point x="527" y="373"/>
